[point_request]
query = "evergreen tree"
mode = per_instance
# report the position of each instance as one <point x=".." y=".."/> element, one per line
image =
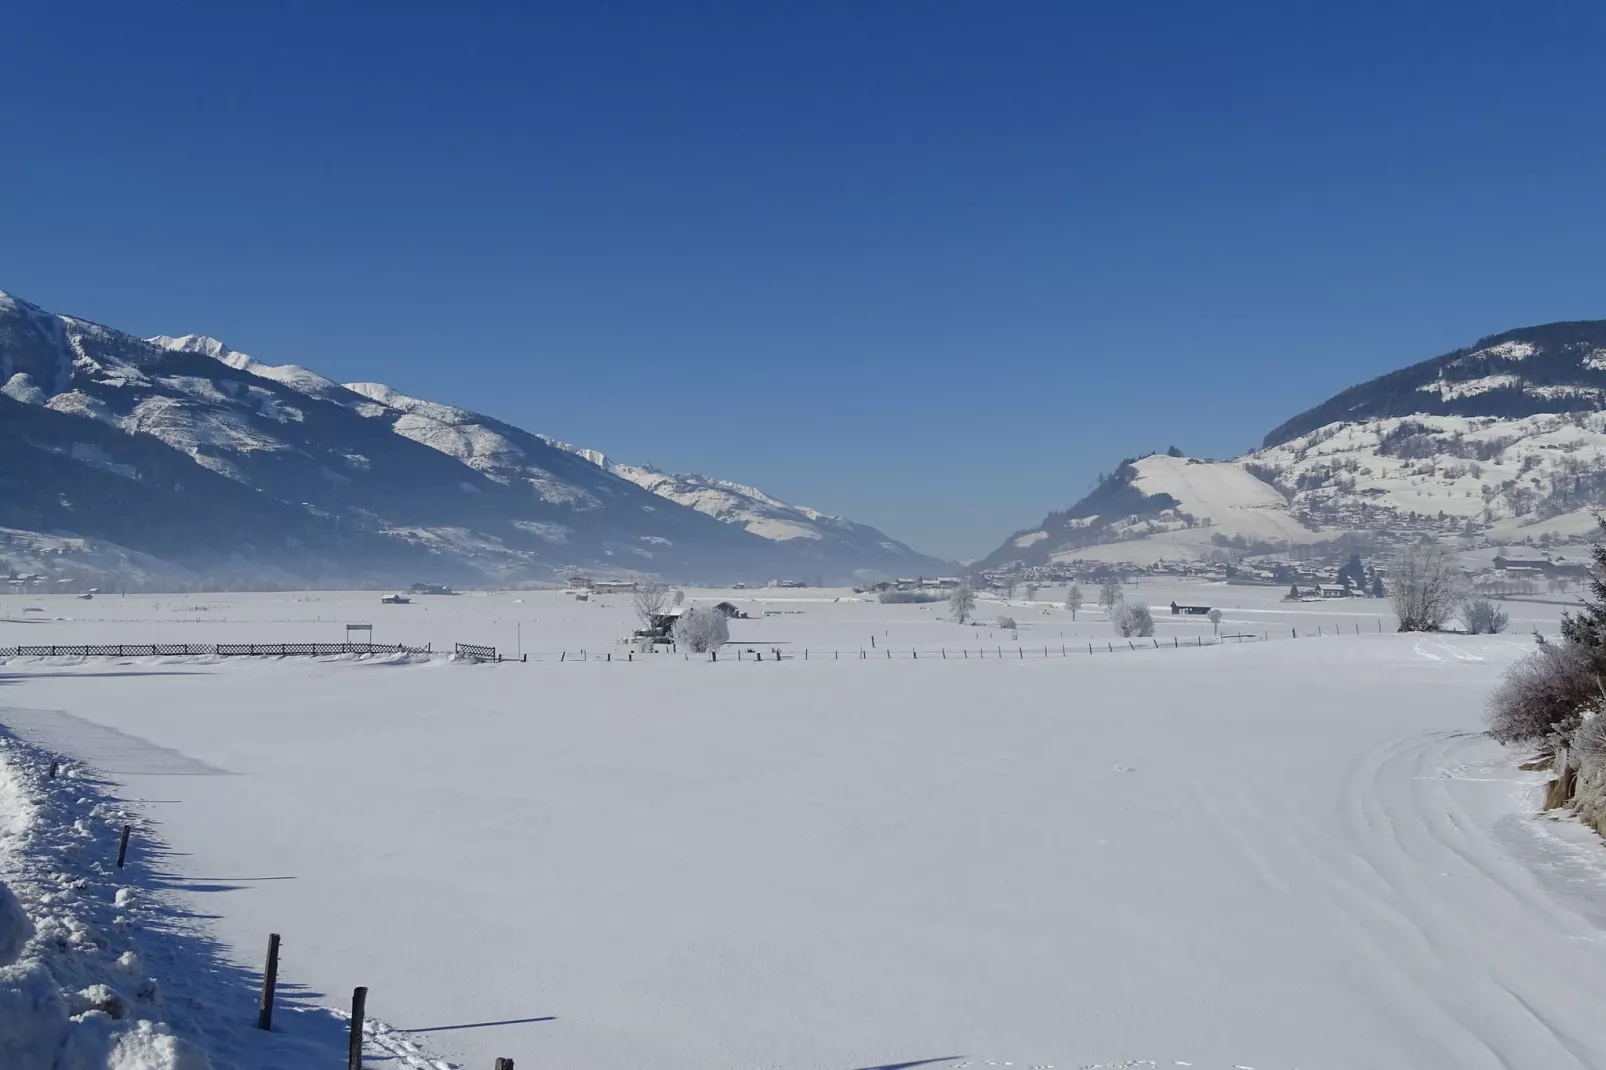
<point x="1587" y="627"/>
<point x="1353" y="574"/>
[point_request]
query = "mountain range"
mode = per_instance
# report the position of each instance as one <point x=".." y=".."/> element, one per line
<point x="176" y="458"/>
<point x="1502" y="441"/>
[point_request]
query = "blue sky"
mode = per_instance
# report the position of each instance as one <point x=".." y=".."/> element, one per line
<point x="930" y="265"/>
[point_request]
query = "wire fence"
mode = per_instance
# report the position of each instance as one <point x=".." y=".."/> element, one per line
<point x="226" y="650"/>
<point x="732" y="651"/>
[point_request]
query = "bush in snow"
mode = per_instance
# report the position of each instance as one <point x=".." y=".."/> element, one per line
<point x="1484" y="617"/>
<point x="701" y="629"/>
<point x="1131" y="619"/>
<point x="1428" y="586"/>
<point x="1007" y="623"/>
<point x="1543" y="697"/>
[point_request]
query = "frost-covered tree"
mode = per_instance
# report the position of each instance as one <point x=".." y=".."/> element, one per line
<point x="1543" y="697"/>
<point x="1031" y="591"/>
<point x="1110" y="595"/>
<point x="1215" y="620"/>
<point x="679" y="597"/>
<point x="1483" y="617"/>
<point x="1377" y="585"/>
<point x="1073" y="600"/>
<point x="1428" y="586"/>
<point x="649" y="602"/>
<point x="701" y="629"/>
<point x="1131" y="619"/>
<point x="962" y="603"/>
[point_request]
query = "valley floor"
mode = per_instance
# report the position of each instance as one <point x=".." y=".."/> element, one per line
<point x="1269" y="855"/>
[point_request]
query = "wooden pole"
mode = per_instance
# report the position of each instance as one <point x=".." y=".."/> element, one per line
<point x="504" y="1064"/>
<point x="359" y="1000"/>
<point x="270" y="981"/>
<point x="122" y="846"/>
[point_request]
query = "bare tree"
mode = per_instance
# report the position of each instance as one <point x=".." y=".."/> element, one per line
<point x="1132" y="619"/>
<point x="1483" y="616"/>
<point x="1073" y="600"/>
<point x="962" y="602"/>
<point x="701" y="629"/>
<point x="679" y="597"/>
<point x="1031" y="591"/>
<point x="1215" y="619"/>
<point x="1110" y="595"/>
<point x="649" y="602"/>
<point x="1428" y="586"/>
<point x="1009" y="588"/>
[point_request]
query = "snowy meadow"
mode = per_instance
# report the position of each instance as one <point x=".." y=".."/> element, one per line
<point x="1267" y="852"/>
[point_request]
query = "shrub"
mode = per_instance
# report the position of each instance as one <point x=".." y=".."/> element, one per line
<point x="1542" y="697"/>
<point x="701" y="629"/>
<point x="1007" y="623"/>
<point x="1485" y="618"/>
<point x="1131" y="619"/>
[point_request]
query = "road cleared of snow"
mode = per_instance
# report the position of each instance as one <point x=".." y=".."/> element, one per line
<point x="1296" y="854"/>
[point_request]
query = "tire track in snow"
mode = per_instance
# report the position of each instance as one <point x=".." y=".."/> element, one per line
<point x="1422" y="833"/>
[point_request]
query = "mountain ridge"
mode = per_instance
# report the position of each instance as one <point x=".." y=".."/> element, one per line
<point x="1501" y="440"/>
<point x="274" y="470"/>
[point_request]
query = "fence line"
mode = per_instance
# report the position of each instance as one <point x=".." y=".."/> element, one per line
<point x="226" y="650"/>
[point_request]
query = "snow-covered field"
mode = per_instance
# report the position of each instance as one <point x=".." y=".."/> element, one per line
<point x="1292" y="853"/>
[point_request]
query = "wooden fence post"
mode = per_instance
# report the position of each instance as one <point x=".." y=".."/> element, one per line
<point x="270" y="981"/>
<point x="122" y="846"/>
<point x="504" y="1064"/>
<point x="359" y="1000"/>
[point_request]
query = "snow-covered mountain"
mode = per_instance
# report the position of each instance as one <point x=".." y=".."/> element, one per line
<point x="200" y="457"/>
<point x="1501" y="441"/>
<point x="808" y="531"/>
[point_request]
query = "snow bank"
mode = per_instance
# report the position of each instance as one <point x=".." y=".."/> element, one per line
<point x="71" y="994"/>
<point x="82" y="944"/>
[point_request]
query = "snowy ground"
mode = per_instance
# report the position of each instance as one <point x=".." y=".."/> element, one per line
<point x="1272" y="855"/>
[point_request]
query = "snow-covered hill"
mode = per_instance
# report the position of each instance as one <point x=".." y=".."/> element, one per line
<point x="1499" y="442"/>
<point x="231" y="469"/>
<point x="807" y="530"/>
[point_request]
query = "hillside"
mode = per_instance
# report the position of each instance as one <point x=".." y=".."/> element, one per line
<point x="1553" y="368"/>
<point x="197" y="460"/>
<point x="807" y="531"/>
<point x="1504" y="440"/>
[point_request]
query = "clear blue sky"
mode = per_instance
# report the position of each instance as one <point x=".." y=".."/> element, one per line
<point x="930" y="265"/>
